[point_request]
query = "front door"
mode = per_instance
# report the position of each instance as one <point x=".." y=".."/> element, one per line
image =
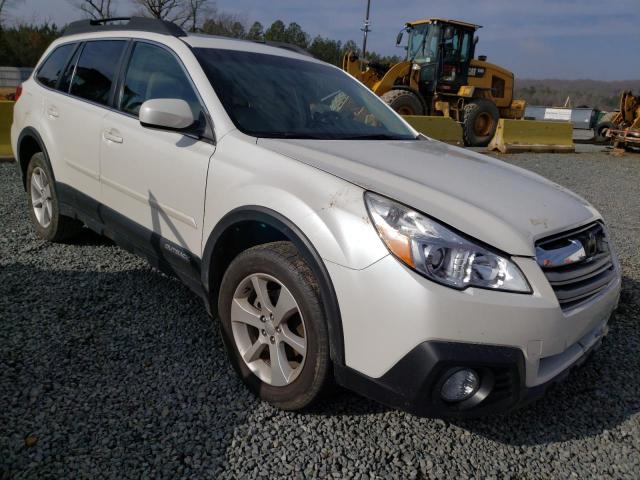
<point x="156" y="178"/>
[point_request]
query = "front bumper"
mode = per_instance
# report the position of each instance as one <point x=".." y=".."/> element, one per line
<point x="414" y="383"/>
<point x="402" y="331"/>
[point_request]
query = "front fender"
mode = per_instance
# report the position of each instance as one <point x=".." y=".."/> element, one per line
<point x="329" y="211"/>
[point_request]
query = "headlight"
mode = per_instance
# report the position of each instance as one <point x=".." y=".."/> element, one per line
<point x="438" y="253"/>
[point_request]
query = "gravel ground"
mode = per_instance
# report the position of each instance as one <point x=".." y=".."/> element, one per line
<point x="111" y="369"/>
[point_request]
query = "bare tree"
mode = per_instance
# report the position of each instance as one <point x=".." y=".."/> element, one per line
<point x="96" y="9"/>
<point x="226" y="25"/>
<point x="186" y="13"/>
<point x="170" y="10"/>
<point x="195" y="10"/>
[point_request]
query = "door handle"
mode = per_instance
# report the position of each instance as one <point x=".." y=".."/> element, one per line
<point x="52" y="111"/>
<point x="112" y="136"/>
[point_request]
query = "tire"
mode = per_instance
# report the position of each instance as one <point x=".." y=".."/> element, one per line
<point x="480" y="119"/>
<point x="43" y="203"/>
<point x="600" y="132"/>
<point x="248" y="331"/>
<point x="404" y="102"/>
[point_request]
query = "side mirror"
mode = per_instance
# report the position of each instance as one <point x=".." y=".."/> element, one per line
<point x="399" y="37"/>
<point x="166" y="113"/>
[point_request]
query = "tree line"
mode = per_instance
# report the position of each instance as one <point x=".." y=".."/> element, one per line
<point x="592" y="93"/>
<point x="22" y="45"/>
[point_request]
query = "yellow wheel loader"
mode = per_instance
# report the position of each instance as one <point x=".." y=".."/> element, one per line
<point x="622" y="127"/>
<point x="441" y="77"/>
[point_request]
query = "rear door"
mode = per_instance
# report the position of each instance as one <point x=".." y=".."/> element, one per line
<point x="76" y="115"/>
<point x="49" y="76"/>
<point x="156" y="178"/>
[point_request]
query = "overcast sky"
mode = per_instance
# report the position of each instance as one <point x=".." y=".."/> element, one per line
<point x="535" y="39"/>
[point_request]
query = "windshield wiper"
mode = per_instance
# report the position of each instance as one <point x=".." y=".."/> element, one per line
<point x="326" y="136"/>
<point x="291" y="135"/>
<point x="375" y="136"/>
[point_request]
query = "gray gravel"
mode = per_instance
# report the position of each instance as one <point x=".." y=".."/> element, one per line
<point x="111" y="369"/>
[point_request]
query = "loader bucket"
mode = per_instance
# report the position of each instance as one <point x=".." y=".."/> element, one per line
<point x="532" y="136"/>
<point x="444" y="129"/>
<point x="6" y="117"/>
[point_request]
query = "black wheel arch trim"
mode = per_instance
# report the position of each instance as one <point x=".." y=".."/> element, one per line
<point x="305" y="247"/>
<point x="33" y="133"/>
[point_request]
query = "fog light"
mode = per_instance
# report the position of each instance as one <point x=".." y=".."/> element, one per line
<point x="460" y="386"/>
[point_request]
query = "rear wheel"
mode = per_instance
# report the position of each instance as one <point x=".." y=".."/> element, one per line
<point x="479" y="122"/>
<point x="274" y="326"/>
<point x="43" y="203"/>
<point x="405" y="102"/>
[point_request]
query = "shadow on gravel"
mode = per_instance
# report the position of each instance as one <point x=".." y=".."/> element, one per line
<point x="596" y="398"/>
<point x="107" y="372"/>
<point x="339" y="401"/>
<point x="88" y="237"/>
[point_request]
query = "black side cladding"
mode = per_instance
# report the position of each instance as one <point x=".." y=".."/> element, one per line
<point x="163" y="254"/>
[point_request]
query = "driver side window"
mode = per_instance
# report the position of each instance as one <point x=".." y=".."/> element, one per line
<point x="152" y="73"/>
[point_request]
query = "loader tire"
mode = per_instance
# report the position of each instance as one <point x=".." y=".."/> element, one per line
<point x="600" y="132"/>
<point x="405" y="102"/>
<point x="479" y="123"/>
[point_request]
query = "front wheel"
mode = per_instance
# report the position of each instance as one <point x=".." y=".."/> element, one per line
<point x="405" y="102"/>
<point x="274" y="326"/>
<point x="479" y="123"/>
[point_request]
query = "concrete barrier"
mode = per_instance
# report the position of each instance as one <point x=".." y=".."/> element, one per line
<point x="6" y="118"/>
<point x="532" y="136"/>
<point x="444" y="129"/>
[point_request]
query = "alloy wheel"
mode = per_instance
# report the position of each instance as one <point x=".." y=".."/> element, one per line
<point x="268" y="329"/>
<point x="41" y="197"/>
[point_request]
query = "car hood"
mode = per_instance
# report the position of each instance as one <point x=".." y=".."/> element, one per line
<point x="499" y="204"/>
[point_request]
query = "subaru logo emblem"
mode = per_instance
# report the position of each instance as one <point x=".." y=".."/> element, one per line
<point x="590" y="244"/>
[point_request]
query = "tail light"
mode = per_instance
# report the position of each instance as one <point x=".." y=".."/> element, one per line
<point x="18" y="92"/>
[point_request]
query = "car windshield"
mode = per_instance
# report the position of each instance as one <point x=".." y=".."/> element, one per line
<point x="280" y="97"/>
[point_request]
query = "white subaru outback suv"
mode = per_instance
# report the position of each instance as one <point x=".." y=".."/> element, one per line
<point x="331" y="240"/>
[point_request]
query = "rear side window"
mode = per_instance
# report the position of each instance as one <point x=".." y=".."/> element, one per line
<point x="65" y="79"/>
<point x="49" y="72"/>
<point x="96" y="70"/>
<point x="153" y="72"/>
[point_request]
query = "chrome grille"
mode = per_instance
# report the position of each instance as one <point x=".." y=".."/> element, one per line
<point x="578" y="263"/>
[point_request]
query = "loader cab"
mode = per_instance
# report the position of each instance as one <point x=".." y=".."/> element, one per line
<point x="441" y="50"/>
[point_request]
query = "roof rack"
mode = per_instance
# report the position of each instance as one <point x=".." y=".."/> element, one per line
<point x="286" y="46"/>
<point x="141" y="24"/>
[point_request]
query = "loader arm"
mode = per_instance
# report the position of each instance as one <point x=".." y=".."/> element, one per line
<point x="355" y="67"/>
<point x="398" y="71"/>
